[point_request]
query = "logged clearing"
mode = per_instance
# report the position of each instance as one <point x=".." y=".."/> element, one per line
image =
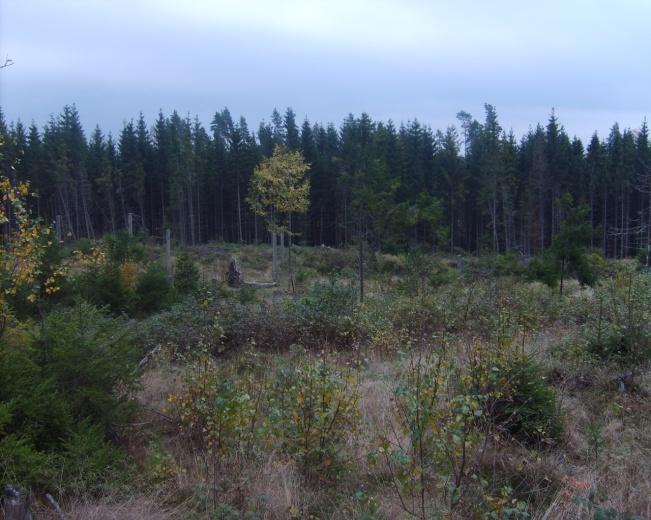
<point x="456" y="389"/>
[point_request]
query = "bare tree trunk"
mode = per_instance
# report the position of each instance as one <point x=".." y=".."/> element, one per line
<point x="89" y="226"/>
<point x="289" y="256"/>
<point x="66" y="209"/>
<point x="168" y="253"/>
<point x="451" y="225"/>
<point x="604" y="236"/>
<point x="361" y="262"/>
<point x="274" y="258"/>
<point x="199" y="235"/>
<point x="191" y="214"/>
<point x="239" y="213"/>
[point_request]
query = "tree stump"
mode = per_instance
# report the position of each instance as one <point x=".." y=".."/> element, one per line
<point x="15" y="503"/>
<point x="234" y="275"/>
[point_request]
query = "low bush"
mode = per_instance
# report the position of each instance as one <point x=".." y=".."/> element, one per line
<point x="327" y="260"/>
<point x="521" y="402"/>
<point x="313" y="408"/>
<point x="120" y="247"/>
<point x="507" y="264"/>
<point x="528" y="408"/>
<point x="62" y="397"/>
<point x="153" y="291"/>
<point x="306" y="274"/>
<point x="186" y="274"/>
<point x="217" y="410"/>
<point x="324" y="314"/>
<point x="618" y="322"/>
<point x="543" y="268"/>
<point x="439" y="418"/>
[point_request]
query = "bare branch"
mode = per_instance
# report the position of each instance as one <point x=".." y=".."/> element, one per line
<point x="7" y="63"/>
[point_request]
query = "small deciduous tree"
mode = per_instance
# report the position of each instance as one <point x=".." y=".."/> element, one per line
<point x="25" y="270"/>
<point x="279" y="187"/>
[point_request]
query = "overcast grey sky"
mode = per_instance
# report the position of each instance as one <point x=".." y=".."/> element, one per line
<point x="402" y="60"/>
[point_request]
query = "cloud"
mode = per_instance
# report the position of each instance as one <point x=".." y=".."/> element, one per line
<point x="413" y="58"/>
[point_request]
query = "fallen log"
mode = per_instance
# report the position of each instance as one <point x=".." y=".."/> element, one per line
<point x="260" y="285"/>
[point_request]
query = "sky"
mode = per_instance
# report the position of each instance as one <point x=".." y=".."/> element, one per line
<point x="399" y="60"/>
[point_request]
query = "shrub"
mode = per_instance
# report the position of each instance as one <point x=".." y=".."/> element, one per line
<point x="84" y="246"/>
<point x="597" y="263"/>
<point x="324" y="314"/>
<point x="528" y="409"/>
<point x="92" y="360"/>
<point x="521" y="402"/>
<point x="216" y="410"/>
<point x="62" y="397"/>
<point x="184" y="328"/>
<point x="153" y="291"/>
<point x="247" y="294"/>
<point x="543" y="268"/>
<point x="91" y="463"/>
<point x="312" y="410"/>
<point x="620" y="330"/>
<point x="439" y="422"/>
<point x="186" y="274"/>
<point x="386" y="263"/>
<point x="507" y="265"/>
<point x="327" y="260"/>
<point x="120" y="247"/>
<point x="21" y="463"/>
<point x="305" y="274"/>
<point x="642" y="256"/>
<point x="103" y="285"/>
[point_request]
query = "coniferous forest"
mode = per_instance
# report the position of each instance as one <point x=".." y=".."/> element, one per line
<point x="472" y="188"/>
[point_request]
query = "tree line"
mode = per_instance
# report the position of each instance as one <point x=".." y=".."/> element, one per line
<point x="473" y="188"/>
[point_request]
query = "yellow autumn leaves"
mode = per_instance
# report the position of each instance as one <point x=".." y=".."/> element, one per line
<point x="24" y="243"/>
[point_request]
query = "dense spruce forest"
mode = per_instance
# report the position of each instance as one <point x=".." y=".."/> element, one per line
<point x="473" y="189"/>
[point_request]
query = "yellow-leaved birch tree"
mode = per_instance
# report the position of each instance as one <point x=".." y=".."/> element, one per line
<point x="280" y="187"/>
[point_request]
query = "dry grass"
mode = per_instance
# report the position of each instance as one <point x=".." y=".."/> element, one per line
<point x="274" y="487"/>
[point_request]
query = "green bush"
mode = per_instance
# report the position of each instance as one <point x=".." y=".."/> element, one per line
<point x="92" y="465"/>
<point x="528" y="410"/>
<point x="642" y="256"/>
<point x="305" y="274"/>
<point x="619" y="321"/>
<point x="182" y="328"/>
<point x="507" y="265"/>
<point x="62" y="396"/>
<point x="102" y="286"/>
<point x="247" y="294"/>
<point x="21" y="463"/>
<point x="327" y="260"/>
<point x="217" y="410"/>
<point x="385" y="264"/>
<point x="543" y="268"/>
<point x="84" y="246"/>
<point x="312" y="410"/>
<point x="186" y="274"/>
<point x="91" y="358"/>
<point x="324" y="314"/>
<point x="153" y="290"/>
<point x="121" y="248"/>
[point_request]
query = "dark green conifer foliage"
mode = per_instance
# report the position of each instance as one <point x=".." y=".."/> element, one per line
<point x="186" y="274"/>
